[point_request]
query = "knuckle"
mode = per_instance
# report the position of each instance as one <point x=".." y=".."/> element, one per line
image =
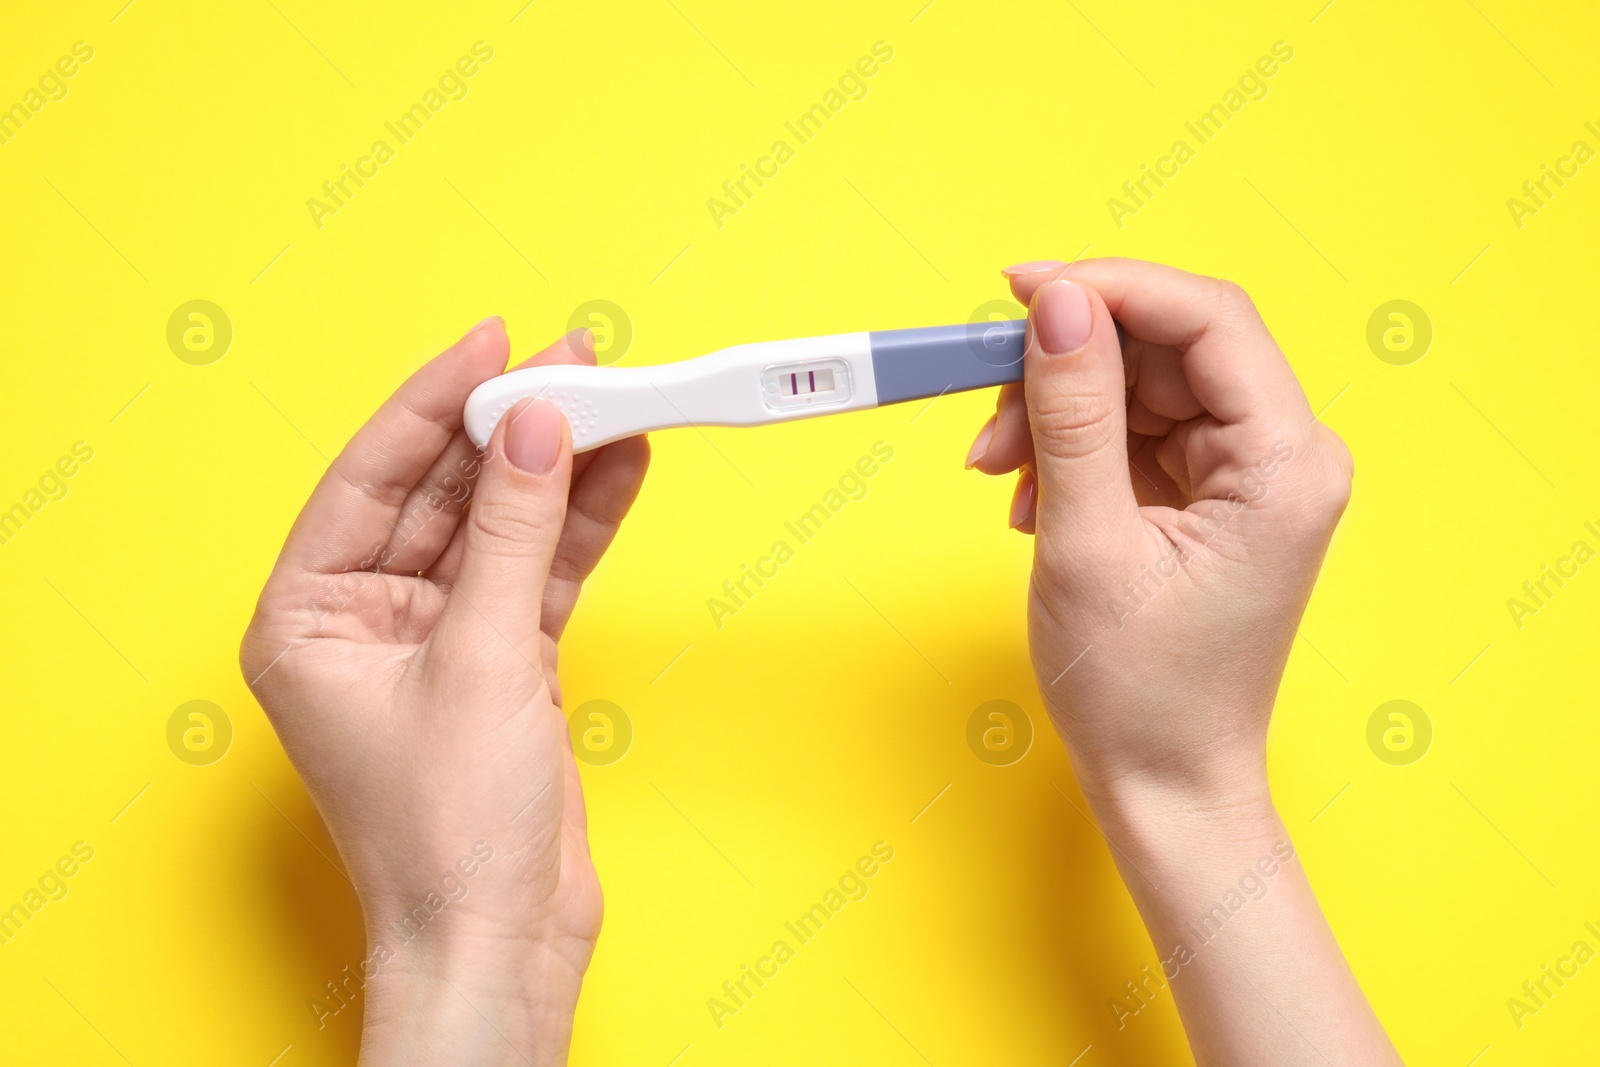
<point x="250" y="656"/>
<point x="1340" y="451"/>
<point x="508" y="528"/>
<point x="1070" y="425"/>
<point x="1054" y="591"/>
<point x="1052" y="572"/>
<point x="1325" y="490"/>
<point x="1338" y="474"/>
<point x="263" y="658"/>
<point x="1079" y="566"/>
<point x="1232" y="299"/>
<point x="1071" y="586"/>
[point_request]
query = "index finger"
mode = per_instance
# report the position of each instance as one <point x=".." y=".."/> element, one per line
<point x="351" y="514"/>
<point x="1230" y="359"/>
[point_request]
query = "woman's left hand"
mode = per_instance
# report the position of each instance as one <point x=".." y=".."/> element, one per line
<point x="404" y="648"/>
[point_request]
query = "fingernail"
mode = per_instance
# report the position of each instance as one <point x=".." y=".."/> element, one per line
<point x="580" y="342"/>
<point x="485" y="322"/>
<point x="1061" y="316"/>
<point x="1038" y="266"/>
<point x="981" y="444"/>
<point x="1022" y="498"/>
<point x="533" y="436"/>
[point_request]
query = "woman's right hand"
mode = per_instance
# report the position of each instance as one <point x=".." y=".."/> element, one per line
<point x="1182" y="496"/>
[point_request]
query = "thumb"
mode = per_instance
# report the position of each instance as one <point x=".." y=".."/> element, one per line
<point x="513" y="525"/>
<point x="1077" y="409"/>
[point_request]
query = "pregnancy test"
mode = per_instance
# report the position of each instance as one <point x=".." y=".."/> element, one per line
<point x="761" y="383"/>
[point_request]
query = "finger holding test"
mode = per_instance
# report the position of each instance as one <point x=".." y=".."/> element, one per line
<point x="352" y="514"/>
<point x="605" y="483"/>
<point x="1232" y="365"/>
<point x="511" y="533"/>
<point x="573" y="348"/>
<point x="1077" y="411"/>
<point x="429" y="520"/>
<point x="1005" y="443"/>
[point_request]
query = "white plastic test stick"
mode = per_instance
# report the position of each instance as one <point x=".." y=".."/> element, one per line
<point x="765" y="382"/>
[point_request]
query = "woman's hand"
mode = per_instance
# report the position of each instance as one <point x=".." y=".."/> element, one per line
<point x="404" y="649"/>
<point x="1182" y="496"/>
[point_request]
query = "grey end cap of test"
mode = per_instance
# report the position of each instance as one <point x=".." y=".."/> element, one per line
<point x="930" y="360"/>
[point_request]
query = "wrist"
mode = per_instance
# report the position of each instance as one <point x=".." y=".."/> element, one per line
<point x="466" y="1000"/>
<point x="1157" y="821"/>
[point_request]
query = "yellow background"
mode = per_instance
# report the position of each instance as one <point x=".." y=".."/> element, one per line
<point x="821" y="718"/>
